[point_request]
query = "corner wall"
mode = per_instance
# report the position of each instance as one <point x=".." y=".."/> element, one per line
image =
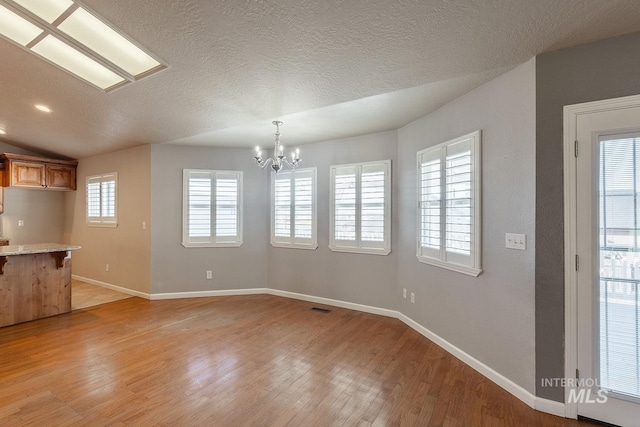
<point x="126" y="248"/>
<point x="490" y="317"/>
<point x="178" y="269"/>
<point x="592" y="72"/>
<point x="349" y="277"/>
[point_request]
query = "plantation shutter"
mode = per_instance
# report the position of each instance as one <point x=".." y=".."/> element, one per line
<point x="459" y="203"/>
<point x="101" y="200"/>
<point x="449" y="204"/>
<point x="282" y="206"/>
<point x="199" y="213"/>
<point x="303" y="204"/>
<point x="212" y="208"/>
<point x="93" y="198"/>
<point x="227" y="206"/>
<point x="361" y="207"/>
<point x="293" y="208"/>
<point x="373" y="185"/>
<point x="344" y="187"/>
<point x="429" y="202"/>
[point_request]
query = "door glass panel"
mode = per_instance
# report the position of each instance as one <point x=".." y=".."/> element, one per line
<point x="619" y="255"/>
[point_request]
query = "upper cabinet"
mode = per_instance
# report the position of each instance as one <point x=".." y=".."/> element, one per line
<point x="38" y="172"/>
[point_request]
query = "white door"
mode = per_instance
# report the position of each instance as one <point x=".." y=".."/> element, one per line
<point x="608" y="273"/>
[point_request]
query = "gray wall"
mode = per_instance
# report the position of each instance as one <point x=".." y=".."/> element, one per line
<point x="42" y="211"/>
<point x="126" y="248"/>
<point x="596" y="71"/>
<point x="175" y="268"/>
<point x="358" y="278"/>
<point x="490" y="317"/>
<point x="43" y="214"/>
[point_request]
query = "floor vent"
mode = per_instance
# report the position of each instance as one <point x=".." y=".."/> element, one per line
<point x="321" y="310"/>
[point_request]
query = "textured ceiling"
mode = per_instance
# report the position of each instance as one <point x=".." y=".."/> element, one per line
<point x="327" y="68"/>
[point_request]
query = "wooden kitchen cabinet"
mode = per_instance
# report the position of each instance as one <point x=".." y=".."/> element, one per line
<point x="60" y="177"/>
<point x="38" y="172"/>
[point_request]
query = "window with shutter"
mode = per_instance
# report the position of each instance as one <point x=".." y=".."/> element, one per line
<point x="449" y="215"/>
<point x="212" y="208"/>
<point x="102" y="200"/>
<point x="293" y="209"/>
<point x="360" y="208"/>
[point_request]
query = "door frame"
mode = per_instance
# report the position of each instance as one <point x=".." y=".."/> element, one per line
<point x="571" y="114"/>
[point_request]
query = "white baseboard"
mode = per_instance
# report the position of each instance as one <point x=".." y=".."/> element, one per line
<point x="550" y="407"/>
<point x="538" y="403"/>
<point x="112" y="287"/>
<point x="496" y="377"/>
<point x="215" y="293"/>
<point x="334" y="303"/>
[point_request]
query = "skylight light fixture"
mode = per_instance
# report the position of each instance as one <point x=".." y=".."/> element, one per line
<point x="49" y="10"/>
<point x="79" y="64"/>
<point x="71" y="36"/>
<point x="16" y="28"/>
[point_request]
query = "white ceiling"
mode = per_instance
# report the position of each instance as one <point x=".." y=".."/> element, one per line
<point x="328" y="69"/>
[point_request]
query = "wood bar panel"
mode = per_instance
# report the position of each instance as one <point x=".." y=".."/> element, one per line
<point x="33" y="287"/>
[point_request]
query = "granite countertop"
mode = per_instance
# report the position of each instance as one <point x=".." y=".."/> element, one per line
<point x="35" y="248"/>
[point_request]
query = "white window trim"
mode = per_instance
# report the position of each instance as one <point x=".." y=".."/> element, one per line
<point x="476" y="269"/>
<point x="312" y="243"/>
<point x="185" y="207"/>
<point x="108" y="222"/>
<point x="359" y="249"/>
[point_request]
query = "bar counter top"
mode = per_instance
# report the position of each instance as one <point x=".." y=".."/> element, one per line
<point x="35" y="248"/>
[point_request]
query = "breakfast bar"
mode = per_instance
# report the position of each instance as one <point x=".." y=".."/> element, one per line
<point x="35" y="281"/>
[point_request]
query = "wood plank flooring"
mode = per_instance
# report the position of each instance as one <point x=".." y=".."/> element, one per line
<point x="84" y="295"/>
<point x="256" y="360"/>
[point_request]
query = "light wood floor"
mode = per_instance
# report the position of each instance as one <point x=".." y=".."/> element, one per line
<point x="84" y="295"/>
<point x="240" y="361"/>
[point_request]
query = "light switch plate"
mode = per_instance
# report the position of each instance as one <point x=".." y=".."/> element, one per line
<point x="516" y="241"/>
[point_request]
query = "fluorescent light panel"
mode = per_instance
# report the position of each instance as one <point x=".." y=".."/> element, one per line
<point x="102" y="39"/>
<point x="75" y="62"/>
<point x="16" y="28"/>
<point x="49" y="10"/>
<point x="122" y="59"/>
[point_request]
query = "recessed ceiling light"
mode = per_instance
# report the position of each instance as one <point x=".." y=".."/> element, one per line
<point x="43" y="108"/>
<point x="3" y="132"/>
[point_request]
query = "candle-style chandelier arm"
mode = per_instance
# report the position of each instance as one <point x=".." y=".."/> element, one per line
<point x="279" y="160"/>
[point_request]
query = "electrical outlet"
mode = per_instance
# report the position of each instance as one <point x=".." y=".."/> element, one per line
<point x="413" y="298"/>
<point x="209" y="275"/>
<point x="21" y="223"/>
<point x="404" y="293"/>
<point x="516" y="241"/>
<point x="106" y="268"/>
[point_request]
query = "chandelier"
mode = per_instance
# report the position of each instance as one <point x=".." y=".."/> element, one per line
<point x="279" y="160"/>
